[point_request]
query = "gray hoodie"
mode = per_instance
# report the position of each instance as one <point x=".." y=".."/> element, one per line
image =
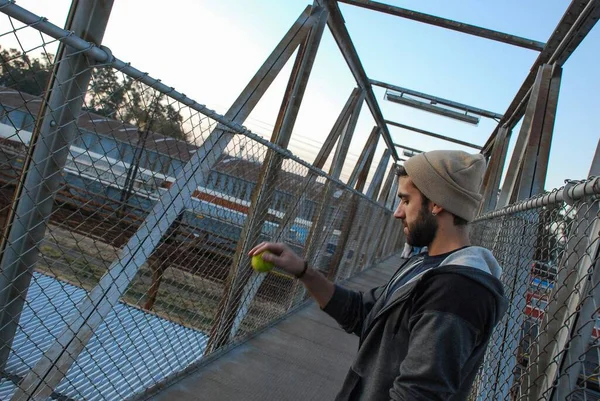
<point x="427" y="340"/>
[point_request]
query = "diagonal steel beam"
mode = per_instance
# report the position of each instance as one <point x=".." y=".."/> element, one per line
<point x="342" y="38"/>
<point x="448" y="24"/>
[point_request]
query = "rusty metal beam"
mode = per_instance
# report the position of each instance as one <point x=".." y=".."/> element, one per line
<point x="440" y="100"/>
<point x="361" y="169"/>
<point x="448" y="24"/>
<point x="442" y="137"/>
<point x="579" y="18"/>
<point x="342" y="38"/>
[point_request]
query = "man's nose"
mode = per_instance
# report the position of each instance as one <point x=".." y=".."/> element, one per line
<point x="399" y="213"/>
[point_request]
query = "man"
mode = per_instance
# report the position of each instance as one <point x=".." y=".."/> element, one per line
<point x="423" y="335"/>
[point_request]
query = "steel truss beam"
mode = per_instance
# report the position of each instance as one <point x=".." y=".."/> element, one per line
<point x="440" y="100"/>
<point x="576" y="23"/>
<point x="438" y="136"/>
<point x="342" y="38"/>
<point x="448" y="24"/>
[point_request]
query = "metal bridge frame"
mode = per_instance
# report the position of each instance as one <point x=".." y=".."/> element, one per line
<point x="536" y="101"/>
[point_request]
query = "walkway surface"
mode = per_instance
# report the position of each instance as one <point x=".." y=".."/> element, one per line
<point x="304" y="357"/>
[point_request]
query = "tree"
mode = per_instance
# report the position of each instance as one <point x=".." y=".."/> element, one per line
<point x="108" y="95"/>
<point x="23" y="73"/>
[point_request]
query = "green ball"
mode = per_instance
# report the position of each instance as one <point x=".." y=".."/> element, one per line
<point x="260" y="265"/>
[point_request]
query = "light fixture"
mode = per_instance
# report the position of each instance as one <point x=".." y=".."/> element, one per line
<point x="417" y="104"/>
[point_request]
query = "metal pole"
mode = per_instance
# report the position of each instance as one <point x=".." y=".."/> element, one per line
<point x="529" y="135"/>
<point x="433" y="135"/>
<point x="365" y="159"/>
<point x="342" y="38"/>
<point x="52" y="137"/>
<point x="491" y="180"/>
<point x="448" y="24"/>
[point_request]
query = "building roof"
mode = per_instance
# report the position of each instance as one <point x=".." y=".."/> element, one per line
<point x="131" y="351"/>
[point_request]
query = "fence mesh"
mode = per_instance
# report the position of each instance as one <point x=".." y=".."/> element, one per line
<point x="122" y="153"/>
<point x="546" y="346"/>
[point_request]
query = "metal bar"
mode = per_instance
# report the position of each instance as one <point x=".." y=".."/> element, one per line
<point x="378" y="176"/>
<point x="493" y="174"/>
<point x="431" y="108"/>
<point x="387" y="186"/>
<point x="366" y="157"/>
<point x="442" y="137"/>
<point x="407" y="148"/>
<point x="336" y="130"/>
<point x="456" y="105"/>
<point x="511" y="181"/>
<point x="35" y="198"/>
<point x="239" y="275"/>
<point x="342" y="38"/>
<point x="543" y="155"/>
<point x="448" y="24"/>
<point x="524" y="188"/>
<point x="571" y="192"/>
<point x="577" y="21"/>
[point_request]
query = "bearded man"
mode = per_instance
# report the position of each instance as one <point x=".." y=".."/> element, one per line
<point x="423" y="335"/>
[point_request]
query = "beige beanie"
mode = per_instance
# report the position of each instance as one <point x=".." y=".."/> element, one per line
<point x="449" y="178"/>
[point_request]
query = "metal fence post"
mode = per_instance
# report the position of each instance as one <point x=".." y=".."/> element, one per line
<point x="53" y="134"/>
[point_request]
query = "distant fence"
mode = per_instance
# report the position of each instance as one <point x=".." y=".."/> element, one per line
<point x="128" y="210"/>
<point x="546" y="347"/>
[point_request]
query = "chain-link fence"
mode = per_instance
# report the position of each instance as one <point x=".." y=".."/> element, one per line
<point x="128" y="210"/>
<point x="546" y="347"/>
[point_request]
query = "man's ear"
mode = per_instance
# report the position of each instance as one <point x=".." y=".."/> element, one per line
<point x="437" y="209"/>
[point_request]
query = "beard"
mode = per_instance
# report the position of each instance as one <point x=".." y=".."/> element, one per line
<point x="423" y="230"/>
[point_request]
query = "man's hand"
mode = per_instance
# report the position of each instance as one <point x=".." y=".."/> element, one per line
<point x="281" y="256"/>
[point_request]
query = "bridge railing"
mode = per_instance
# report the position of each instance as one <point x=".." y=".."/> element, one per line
<point x="546" y="347"/>
<point x="128" y="210"/>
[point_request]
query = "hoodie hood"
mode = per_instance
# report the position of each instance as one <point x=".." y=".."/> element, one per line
<point x="480" y="265"/>
<point x="476" y="257"/>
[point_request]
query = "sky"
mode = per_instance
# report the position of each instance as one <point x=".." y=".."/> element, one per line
<point x="210" y="49"/>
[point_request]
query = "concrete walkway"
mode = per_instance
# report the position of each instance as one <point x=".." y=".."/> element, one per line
<point x="305" y="357"/>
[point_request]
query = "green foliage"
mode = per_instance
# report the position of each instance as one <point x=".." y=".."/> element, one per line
<point x="23" y="73"/>
<point x="118" y="98"/>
